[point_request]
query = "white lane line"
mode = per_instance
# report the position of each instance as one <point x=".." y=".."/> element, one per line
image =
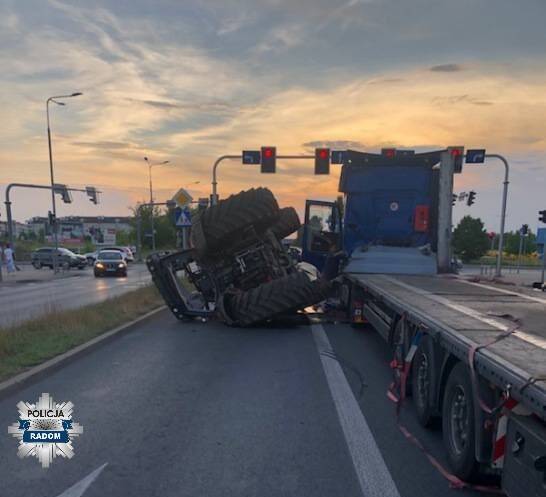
<point x="502" y="290"/>
<point x="372" y="473"/>
<point x="78" y="489"/>
<point x="535" y="340"/>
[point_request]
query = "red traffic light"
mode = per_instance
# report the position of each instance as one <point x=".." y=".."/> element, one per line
<point x="389" y="152"/>
<point x="269" y="159"/>
<point x="267" y="152"/>
<point x="323" y="153"/>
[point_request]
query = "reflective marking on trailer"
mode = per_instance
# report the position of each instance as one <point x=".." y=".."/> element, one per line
<point x="373" y="475"/>
<point x="539" y="342"/>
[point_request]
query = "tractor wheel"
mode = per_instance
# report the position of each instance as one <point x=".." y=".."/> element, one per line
<point x="288" y="222"/>
<point x="286" y="294"/>
<point x="221" y="223"/>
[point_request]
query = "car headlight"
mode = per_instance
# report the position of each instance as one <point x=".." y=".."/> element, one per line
<point x="121" y="265"/>
<point x="100" y="265"/>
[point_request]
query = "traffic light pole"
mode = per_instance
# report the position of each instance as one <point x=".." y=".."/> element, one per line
<point x="214" y="196"/>
<point x="500" y="247"/>
<point x="139" y="225"/>
<point x="7" y="202"/>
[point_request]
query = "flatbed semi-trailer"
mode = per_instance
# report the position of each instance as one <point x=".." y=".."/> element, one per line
<point x="471" y="355"/>
<point x="503" y="334"/>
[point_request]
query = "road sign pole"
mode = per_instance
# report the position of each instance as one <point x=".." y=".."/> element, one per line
<point x="519" y="252"/>
<point x="543" y="264"/>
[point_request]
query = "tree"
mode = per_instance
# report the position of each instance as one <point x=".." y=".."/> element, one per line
<point x="470" y="239"/>
<point x="511" y="243"/>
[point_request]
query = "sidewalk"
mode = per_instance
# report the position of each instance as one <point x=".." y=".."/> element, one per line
<point x="29" y="274"/>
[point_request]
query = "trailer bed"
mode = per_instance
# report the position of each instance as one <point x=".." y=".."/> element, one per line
<point x="463" y="315"/>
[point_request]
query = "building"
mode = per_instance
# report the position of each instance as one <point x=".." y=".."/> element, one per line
<point x="74" y="230"/>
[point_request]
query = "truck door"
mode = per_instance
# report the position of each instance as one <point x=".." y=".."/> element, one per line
<point x="322" y="232"/>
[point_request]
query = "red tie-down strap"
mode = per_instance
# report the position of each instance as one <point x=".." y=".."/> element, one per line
<point x="397" y="393"/>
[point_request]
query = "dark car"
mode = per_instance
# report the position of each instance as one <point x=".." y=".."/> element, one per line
<point x="44" y="257"/>
<point x="110" y="262"/>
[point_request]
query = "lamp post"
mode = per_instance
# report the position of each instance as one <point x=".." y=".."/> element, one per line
<point x="150" y="165"/>
<point x="55" y="235"/>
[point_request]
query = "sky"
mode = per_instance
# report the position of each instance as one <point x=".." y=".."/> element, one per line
<point x="189" y="81"/>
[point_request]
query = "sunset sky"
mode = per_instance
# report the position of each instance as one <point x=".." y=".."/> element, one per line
<point x="187" y="81"/>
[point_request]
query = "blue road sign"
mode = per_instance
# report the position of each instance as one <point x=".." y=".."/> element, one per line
<point x="475" y="156"/>
<point x="182" y="217"/>
<point x="337" y="156"/>
<point x="252" y="157"/>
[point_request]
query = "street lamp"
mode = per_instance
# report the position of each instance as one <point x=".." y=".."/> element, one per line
<point x="150" y="165"/>
<point x="55" y="235"/>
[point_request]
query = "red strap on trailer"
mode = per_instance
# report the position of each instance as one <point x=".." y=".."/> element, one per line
<point x="397" y="393"/>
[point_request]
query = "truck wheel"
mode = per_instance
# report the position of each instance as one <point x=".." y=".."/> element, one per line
<point x="220" y="223"/>
<point x="288" y="222"/>
<point x="290" y="293"/>
<point x="421" y="383"/>
<point x="458" y="423"/>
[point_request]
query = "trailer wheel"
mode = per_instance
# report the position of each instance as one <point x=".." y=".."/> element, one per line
<point x="458" y="423"/>
<point x="280" y="296"/>
<point x="288" y="222"/>
<point x="421" y="383"/>
<point x="221" y="223"/>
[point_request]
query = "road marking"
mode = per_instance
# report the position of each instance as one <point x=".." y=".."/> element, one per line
<point x="502" y="290"/>
<point x="372" y="473"/>
<point x="78" y="489"/>
<point x="535" y="340"/>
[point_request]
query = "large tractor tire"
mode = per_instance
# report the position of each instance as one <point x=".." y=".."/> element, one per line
<point x="221" y="223"/>
<point x="281" y="296"/>
<point x="288" y="222"/>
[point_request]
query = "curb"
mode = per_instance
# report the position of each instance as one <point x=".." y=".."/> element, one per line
<point x="21" y="379"/>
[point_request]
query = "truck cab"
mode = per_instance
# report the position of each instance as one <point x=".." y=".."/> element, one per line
<point x="389" y="219"/>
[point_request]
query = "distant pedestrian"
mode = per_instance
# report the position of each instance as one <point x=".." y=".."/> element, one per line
<point x="9" y="259"/>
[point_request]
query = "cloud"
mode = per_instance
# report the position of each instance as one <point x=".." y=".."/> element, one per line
<point x="447" y="68"/>
<point x="335" y="144"/>
<point x="464" y="99"/>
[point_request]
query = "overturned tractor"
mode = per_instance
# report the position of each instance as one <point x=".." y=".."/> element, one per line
<point x="237" y="269"/>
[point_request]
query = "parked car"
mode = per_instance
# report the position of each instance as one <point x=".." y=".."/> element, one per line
<point x="110" y="262"/>
<point x="126" y="251"/>
<point x="44" y="257"/>
<point x="91" y="257"/>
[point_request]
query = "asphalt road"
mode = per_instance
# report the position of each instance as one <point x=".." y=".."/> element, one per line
<point x="28" y="299"/>
<point x="177" y="409"/>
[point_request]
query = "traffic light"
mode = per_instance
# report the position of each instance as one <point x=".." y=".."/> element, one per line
<point x="64" y="192"/>
<point x="93" y="194"/>
<point x="269" y="159"/>
<point x="454" y="198"/>
<point x="524" y="229"/>
<point x="51" y="218"/>
<point x="542" y="216"/>
<point x="470" y="200"/>
<point x="458" y="154"/>
<point x="322" y="161"/>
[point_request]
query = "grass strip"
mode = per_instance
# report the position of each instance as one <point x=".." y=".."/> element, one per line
<point x="33" y="342"/>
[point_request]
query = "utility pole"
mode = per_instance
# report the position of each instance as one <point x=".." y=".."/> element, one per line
<point x="55" y="224"/>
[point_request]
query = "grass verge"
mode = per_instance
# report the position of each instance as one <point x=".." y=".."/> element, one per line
<point x="33" y="342"/>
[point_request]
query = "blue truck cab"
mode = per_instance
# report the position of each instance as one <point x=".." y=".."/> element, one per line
<point x="388" y="220"/>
